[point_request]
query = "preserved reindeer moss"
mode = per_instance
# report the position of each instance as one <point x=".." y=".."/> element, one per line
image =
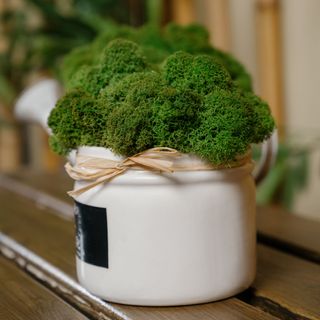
<point x="176" y="115"/>
<point x="189" y="103"/>
<point x="157" y="45"/>
<point x="129" y="126"/>
<point x="76" y="120"/>
<point x="118" y="59"/>
<point x="78" y="57"/>
<point x="121" y="57"/>
<point x="201" y="73"/>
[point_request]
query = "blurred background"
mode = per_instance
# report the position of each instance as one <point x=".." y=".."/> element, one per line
<point x="278" y="41"/>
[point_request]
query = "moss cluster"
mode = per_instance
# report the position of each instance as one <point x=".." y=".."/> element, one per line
<point x="156" y="45"/>
<point x="126" y="103"/>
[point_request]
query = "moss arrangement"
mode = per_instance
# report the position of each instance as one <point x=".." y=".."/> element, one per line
<point x="156" y="44"/>
<point x="127" y="102"/>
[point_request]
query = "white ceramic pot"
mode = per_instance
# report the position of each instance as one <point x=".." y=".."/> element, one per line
<point x="162" y="239"/>
<point x="167" y="239"/>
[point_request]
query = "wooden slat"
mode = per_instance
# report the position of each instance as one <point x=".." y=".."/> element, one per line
<point x="53" y="238"/>
<point x="46" y="234"/>
<point x="56" y="280"/>
<point x="287" y="284"/>
<point x="228" y="309"/>
<point x="183" y="11"/>
<point x="9" y="147"/>
<point x="269" y="57"/>
<point x="289" y="232"/>
<point x="54" y="184"/>
<point x="23" y="298"/>
<point x="276" y="227"/>
<point x="271" y="265"/>
<point x="217" y="18"/>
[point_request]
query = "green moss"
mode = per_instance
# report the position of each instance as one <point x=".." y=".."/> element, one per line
<point x="87" y="78"/>
<point x="118" y="59"/>
<point x="261" y="121"/>
<point x="175" y="116"/>
<point x="112" y="33"/>
<point x="130" y="121"/>
<point x="156" y="45"/>
<point x="236" y="70"/>
<point x="225" y="130"/>
<point x="199" y="73"/>
<point x="77" y="58"/>
<point x="57" y="146"/>
<point x="191" y="38"/>
<point x="194" y="39"/>
<point x="129" y="129"/>
<point x="122" y="57"/>
<point x="189" y="103"/>
<point x="76" y="120"/>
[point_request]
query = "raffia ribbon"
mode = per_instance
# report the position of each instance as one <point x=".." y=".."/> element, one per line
<point x="161" y="159"/>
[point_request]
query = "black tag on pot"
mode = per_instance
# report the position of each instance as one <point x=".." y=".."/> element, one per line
<point x="91" y="234"/>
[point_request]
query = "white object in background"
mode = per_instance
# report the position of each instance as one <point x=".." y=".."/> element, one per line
<point x="173" y="239"/>
<point x="36" y="102"/>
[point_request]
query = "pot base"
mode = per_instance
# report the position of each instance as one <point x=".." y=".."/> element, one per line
<point x="95" y="279"/>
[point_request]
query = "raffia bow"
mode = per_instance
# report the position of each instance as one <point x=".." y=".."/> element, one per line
<point x="161" y="159"/>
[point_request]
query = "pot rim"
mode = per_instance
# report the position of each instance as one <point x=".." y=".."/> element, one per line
<point x="146" y="177"/>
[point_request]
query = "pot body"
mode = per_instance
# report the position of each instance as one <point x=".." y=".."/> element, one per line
<point x="172" y="239"/>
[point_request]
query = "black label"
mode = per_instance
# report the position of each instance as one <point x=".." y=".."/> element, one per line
<point x="92" y="234"/>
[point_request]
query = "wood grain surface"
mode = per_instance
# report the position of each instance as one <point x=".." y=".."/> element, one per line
<point x="55" y="184"/>
<point x="289" y="232"/>
<point x="288" y="283"/>
<point x="21" y="298"/>
<point x="276" y="227"/>
<point x="230" y="309"/>
<point x="38" y="230"/>
<point x="286" y="286"/>
<point x="53" y="239"/>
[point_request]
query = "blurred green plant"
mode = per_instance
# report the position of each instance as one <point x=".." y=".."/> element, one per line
<point x="288" y="176"/>
<point x="38" y="33"/>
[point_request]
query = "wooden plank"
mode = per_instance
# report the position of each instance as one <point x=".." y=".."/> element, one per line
<point x="9" y="147"/>
<point x="23" y="298"/>
<point x="56" y="280"/>
<point x="98" y="309"/>
<point x="291" y="233"/>
<point x="53" y="239"/>
<point x="287" y="285"/>
<point x="41" y="232"/>
<point x="183" y="11"/>
<point x="228" y="309"/>
<point x="217" y="18"/>
<point x="41" y="198"/>
<point x="269" y="57"/>
<point x="51" y="183"/>
<point x="284" y="269"/>
<point x="276" y="227"/>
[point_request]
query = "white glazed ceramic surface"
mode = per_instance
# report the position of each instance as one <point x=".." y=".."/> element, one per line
<point x="174" y="239"/>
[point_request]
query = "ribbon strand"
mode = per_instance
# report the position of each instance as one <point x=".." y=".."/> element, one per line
<point x="161" y="159"/>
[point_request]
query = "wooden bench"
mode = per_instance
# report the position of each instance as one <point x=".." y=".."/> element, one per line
<point x="37" y="264"/>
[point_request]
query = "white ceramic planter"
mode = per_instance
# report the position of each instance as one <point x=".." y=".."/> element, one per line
<point x="167" y="239"/>
<point x="173" y="239"/>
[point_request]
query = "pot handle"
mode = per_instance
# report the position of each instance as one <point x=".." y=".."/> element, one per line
<point x="268" y="156"/>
